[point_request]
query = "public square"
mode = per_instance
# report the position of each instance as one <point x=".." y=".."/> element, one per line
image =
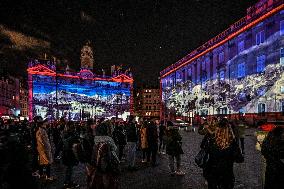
<point x="94" y="86"/>
<point x="248" y="174"/>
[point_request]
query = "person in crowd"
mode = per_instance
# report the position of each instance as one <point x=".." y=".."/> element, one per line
<point x="132" y="138"/>
<point x="144" y="141"/>
<point x="138" y="130"/>
<point x="57" y="140"/>
<point x="44" y="151"/>
<point x="174" y="149"/>
<point x="33" y="130"/>
<point x="15" y="171"/>
<point x="162" y="138"/>
<point x="69" y="154"/>
<point x="223" y="150"/>
<point x="207" y="128"/>
<point x="1" y="123"/>
<point x="104" y="169"/>
<point x="197" y="120"/>
<point x="100" y="122"/>
<point x="273" y="151"/>
<point x="152" y="139"/>
<point x="241" y="133"/>
<point x="87" y="139"/>
<point x="119" y="138"/>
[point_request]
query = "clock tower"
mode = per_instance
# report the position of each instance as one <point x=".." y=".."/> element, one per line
<point x="87" y="59"/>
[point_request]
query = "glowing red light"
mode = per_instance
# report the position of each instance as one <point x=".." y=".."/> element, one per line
<point x="267" y="127"/>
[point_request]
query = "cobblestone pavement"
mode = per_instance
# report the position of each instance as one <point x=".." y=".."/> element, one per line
<point x="248" y="174"/>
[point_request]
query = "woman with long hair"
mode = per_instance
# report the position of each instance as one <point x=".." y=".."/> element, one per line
<point x="144" y="141"/>
<point x="223" y="150"/>
<point x="273" y="151"/>
<point x="44" y="150"/>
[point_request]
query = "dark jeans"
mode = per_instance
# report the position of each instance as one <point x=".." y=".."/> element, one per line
<point x="44" y="170"/>
<point x="58" y="148"/>
<point x="172" y="162"/>
<point x="162" y="144"/>
<point x="242" y="140"/>
<point x="68" y="175"/>
<point x="35" y="165"/>
<point x="144" y="152"/>
<point x="120" y="151"/>
<point x="152" y="153"/>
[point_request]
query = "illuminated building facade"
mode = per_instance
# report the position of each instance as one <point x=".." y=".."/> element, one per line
<point x="147" y="103"/>
<point x="9" y="96"/>
<point x="77" y="96"/>
<point x="238" y="71"/>
<point x="24" y="99"/>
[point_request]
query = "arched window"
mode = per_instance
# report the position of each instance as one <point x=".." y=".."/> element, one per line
<point x="261" y="108"/>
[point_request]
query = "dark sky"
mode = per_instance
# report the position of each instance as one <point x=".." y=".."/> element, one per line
<point x="147" y="35"/>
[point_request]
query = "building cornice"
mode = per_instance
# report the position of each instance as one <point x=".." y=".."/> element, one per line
<point x="225" y="36"/>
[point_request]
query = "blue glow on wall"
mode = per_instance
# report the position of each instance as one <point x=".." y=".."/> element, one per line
<point x="250" y="80"/>
<point x="78" y="99"/>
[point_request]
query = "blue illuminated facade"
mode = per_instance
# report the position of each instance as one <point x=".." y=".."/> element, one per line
<point x="77" y="96"/>
<point x="238" y="71"/>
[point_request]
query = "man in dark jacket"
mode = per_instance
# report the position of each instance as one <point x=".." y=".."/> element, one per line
<point x="132" y="138"/>
<point x="152" y="138"/>
<point x="15" y="171"/>
<point x="33" y="130"/>
<point x="119" y="138"/>
<point x="273" y="151"/>
<point x="173" y="148"/>
<point x="162" y="138"/>
<point x="69" y="156"/>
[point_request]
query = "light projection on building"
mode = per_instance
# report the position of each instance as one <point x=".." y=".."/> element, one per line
<point x="77" y="96"/>
<point x="239" y="71"/>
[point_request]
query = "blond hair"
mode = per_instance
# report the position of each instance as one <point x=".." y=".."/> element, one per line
<point x="224" y="136"/>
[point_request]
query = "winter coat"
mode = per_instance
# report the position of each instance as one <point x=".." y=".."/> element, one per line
<point x="34" y="129"/>
<point x="119" y="136"/>
<point x="103" y="173"/>
<point x="131" y="132"/>
<point x="87" y="143"/>
<point x="162" y="129"/>
<point x="70" y="149"/>
<point x="106" y="139"/>
<point x="219" y="168"/>
<point x="152" y="136"/>
<point x="173" y="146"/>
<point x="14" y="163"/>
<point x="273" y="151"/>
<point x="56" y="135"/>
<point x="43" y="147"/>
<point x="241" y="130"/>
<point x="143" y="138"/>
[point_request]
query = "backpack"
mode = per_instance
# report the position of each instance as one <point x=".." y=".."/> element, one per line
<point x="105" y="160"/>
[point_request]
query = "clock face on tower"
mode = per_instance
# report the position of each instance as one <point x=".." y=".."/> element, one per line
<point x="86" y="74"/>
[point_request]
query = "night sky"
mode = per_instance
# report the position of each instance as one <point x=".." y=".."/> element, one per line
<point x="147" y="35"/>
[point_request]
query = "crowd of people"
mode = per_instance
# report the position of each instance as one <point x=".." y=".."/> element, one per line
<point x="28" y="150"/>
